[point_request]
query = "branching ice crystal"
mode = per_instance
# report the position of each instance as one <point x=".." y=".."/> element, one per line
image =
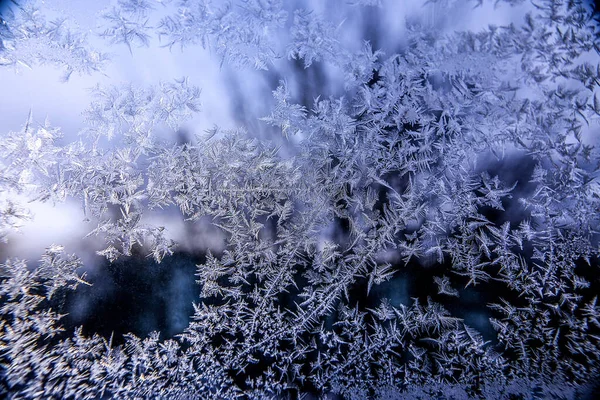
<point x="393" y="174"/>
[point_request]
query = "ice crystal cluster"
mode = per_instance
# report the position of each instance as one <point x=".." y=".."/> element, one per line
<point x="462" y="164"/>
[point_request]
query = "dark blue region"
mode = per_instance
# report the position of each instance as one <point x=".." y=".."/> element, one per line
<point x="135" y="295"/>
<point x="6" y="15"/>
<point x="6" y="6"/>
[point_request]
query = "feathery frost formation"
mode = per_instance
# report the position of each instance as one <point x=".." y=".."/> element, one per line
<point x="407" y="168"/>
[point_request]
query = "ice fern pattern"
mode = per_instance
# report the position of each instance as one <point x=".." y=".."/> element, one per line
<point x="400" y="173"/>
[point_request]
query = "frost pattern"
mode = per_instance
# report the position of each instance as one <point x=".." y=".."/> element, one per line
<point x="28" y="39"/>
<point x="399" y="159"/>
